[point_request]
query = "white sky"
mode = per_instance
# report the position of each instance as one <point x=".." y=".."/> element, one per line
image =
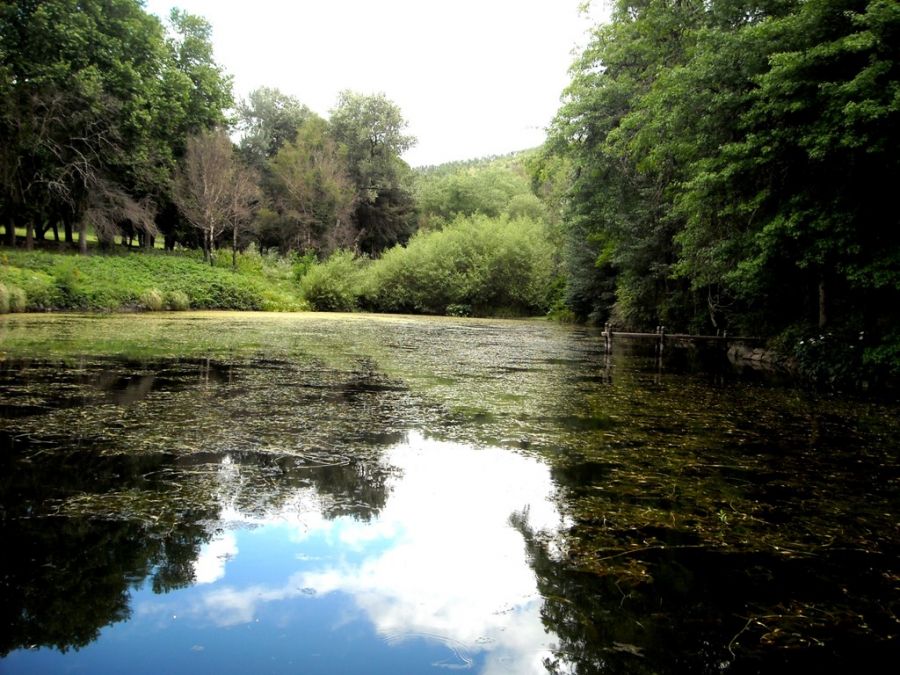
<point x="472" y="77"/>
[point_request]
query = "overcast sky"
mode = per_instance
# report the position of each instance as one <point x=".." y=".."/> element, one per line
<point x="472" y="77"/>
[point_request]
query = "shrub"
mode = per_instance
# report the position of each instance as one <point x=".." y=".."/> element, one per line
<point x="301" y="264"/>
<point x="152" y="300"/>
<point x="18" y="301"/>
<point x="459" y="310"/>
<point x="334" y="285"/>
<point x="4" y="299"/>
<point x="177" y="301"/>
<point x="487" y="265"/>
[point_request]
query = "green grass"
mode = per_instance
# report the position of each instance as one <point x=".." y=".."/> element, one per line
<point x="142" y="280"/>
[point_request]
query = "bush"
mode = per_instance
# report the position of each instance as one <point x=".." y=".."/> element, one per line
<point x="177" y="301"/>
<point x="301" y="264"/>
<point x="151" y="300"/>
<point x="4" y="299"/>
<point x="486" y="265"/>
<point x="830" y="358"/>
<point x="18" y="301"/>
<point x="334" y="285"/>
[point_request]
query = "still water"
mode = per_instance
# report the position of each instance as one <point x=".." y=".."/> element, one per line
<point x="310" y="493"/>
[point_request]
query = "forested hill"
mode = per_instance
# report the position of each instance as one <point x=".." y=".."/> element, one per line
<point x="732" y="165"/>
<point x="515" y="161"/>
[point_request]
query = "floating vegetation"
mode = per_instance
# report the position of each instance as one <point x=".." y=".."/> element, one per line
<point x="714" y="516"/>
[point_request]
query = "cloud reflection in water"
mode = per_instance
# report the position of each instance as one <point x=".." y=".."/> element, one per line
<point x="440" y="563"/>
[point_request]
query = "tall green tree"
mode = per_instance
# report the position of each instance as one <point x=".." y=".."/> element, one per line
<point x="731" y="167"/>
<point x="195" y="94"/>
<point x="269" y="118"/>
<point x="94" y="95"/>
<point x="619" y="248"/>
<point x="371" y="128"/>
<point x="794" y="212"/>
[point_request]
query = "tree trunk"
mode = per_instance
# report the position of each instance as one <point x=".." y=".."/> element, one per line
<point x="823" y="306"/>
<point x="29" y="236"/>
<point x="82" y="237"/>
<point x="55" y="228"/>
<point x="234" y="246"/>
<point x="67" y="226"/>
<point x="208" y="245"/>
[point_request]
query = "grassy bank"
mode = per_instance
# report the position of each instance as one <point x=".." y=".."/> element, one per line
<point x="476" y="266"/>
<point x="124" y="281"/>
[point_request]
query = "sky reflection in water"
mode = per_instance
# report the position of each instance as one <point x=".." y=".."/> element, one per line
<point x="438" y="579"/>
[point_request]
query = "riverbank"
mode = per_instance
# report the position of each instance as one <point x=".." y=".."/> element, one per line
<point x="132" y="280"/>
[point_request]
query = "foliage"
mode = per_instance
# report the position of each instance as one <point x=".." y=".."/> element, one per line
<point x="729" y="166"/>
<point x="371" y="130"/>
<point x="99" y="101"/>
<point x="121" y="281"/>
<point x="335" y="284"/>
<point x="312" y="187"/>
<point x="491" y="188"/>
<point x="268" y="119"/>
<point x="474" y="265"/>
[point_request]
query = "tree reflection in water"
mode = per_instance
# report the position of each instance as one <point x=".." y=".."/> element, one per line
<point x="88" y="514"/>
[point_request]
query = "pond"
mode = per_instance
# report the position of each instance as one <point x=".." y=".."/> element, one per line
<point x="199" y="492"/>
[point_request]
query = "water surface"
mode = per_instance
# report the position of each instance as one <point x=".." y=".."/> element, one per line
<point x="284" y="493"/>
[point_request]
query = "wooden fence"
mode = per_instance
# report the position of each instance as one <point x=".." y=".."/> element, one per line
<point x="662" y="338"/>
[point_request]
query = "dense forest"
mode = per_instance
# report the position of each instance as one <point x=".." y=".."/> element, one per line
<point x="716" y="165"/>
<point x="729" y="165"/>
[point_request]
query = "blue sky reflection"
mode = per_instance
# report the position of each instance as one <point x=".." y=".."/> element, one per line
<point x="438" y="579"/>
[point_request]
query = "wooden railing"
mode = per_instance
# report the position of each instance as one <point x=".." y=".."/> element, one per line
<point x="662" y="338"/>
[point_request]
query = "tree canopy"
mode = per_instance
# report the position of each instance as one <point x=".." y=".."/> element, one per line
<point x="731" y="163"/>
<point x="95" y="93"/>
<point x="371" y="130"/>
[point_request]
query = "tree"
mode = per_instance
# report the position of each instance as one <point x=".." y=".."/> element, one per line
<point x="803" y="184"/>
<point x="95" y="95"/>
<point x="245" y="197"/>
<point x="731" y="168"/>
<point x="194" y="93"/>
<point x="76" y="84"/>
<point x="268" y="119"/>
<point x="633" y="128"/>
<point x="213" y="190"/>
<point x="371" y="130"/>
<point x="312" y="185"/>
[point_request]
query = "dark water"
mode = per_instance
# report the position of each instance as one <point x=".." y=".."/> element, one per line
<point x="328" y="494"/>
